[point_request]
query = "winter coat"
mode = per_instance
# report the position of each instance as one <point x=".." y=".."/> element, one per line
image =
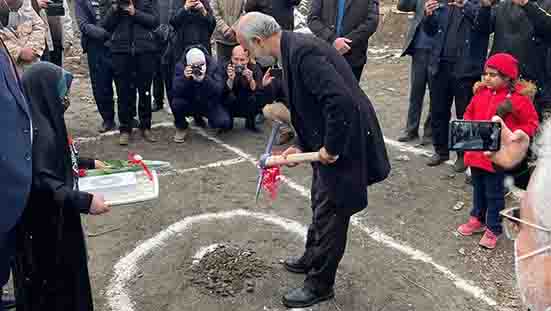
<point x="168" y="9"/>
<point x="329" y="109"/>
<point x="525" y="33"/>
<point x="282" y="10"/>
<point x="241" y="93"/>
<point x="474" y="35"/>
<point x="133" y="34"/>
<point x="484" y="106"/>
<point x="360" y="21"/>
<point x="207" y="92"/>
<point x="192" y="28"/>
<point x="60" y="27"/>
<point x="29" y="34"/>
<point x="89" y="27"/>
<point x="227" y="14"/>
<point x="415" y="23"/>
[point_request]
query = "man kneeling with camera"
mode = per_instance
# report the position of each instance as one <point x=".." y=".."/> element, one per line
<point x="197" y="91"/>
<point x="243" y="79"/>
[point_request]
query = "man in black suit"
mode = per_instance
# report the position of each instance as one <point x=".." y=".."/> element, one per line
<point x="15" y="160"/>
<point x="331" y="115"/>
<point x="347" y="25"/>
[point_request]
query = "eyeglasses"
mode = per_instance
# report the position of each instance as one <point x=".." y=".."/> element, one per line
<point x="512" y="220"/>
<point x="490" y="74"/>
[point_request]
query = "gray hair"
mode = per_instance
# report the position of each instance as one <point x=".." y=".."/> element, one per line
<point x="542" y="182"/>
<point x="258" y="25"/>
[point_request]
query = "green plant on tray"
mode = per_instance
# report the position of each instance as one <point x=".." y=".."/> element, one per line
<point x="122" y="166"/>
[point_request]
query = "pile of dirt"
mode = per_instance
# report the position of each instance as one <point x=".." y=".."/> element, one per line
<point x="228" y="270"/>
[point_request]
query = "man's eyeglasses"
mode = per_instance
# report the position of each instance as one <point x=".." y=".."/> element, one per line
<point x="511" y="224"/>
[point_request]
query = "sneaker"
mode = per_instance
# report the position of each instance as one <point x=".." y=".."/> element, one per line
<point x="472" y="226"/>
<point x="437" y="159"/>
<point x="147" y="134"/>
<point x="180" y="135"/>
<point x="408" y="137"/>
<point x="489" y="240"/>
<point x="124" y="139"/>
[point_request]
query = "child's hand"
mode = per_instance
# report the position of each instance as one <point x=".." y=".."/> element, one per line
<point x="100" y="165"/>
<point x="514" y="146"/>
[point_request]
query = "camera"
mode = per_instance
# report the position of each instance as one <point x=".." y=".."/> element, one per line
<point x="123" y="4"/>
<point x="55" y="8"/>
<point x="196" y="70"/>
<point x="239" y="69"/>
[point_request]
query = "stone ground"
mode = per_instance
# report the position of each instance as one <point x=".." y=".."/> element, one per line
<point x="403" y="252"/>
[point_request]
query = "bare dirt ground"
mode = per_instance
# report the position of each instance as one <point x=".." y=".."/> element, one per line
<point x="403" y="252"/>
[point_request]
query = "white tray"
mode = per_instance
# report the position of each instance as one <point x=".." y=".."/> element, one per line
<point x="122" y="188"/>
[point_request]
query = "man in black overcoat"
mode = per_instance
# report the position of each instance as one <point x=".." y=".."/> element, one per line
<point x="332" y="115"/>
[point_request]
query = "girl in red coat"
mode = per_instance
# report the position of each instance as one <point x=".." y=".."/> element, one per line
<point x="499" y="93"/>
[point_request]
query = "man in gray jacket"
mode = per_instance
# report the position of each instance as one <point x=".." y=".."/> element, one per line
<point x="417" y="45"/>
<point x="227" y="14"/>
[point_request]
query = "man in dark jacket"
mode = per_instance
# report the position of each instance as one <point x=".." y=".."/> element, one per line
<point x="242" y="82"/>
<point x="197" y="92"/>
<point x="133" y="48"/>
<point x="455" y="64"/>
<point x="193" y="24"/>
<point x="522" y="28"/>
<point x="333" y="116"/>
<point x="418" y="45"/>
<point x="15" y="160"/>
<point x="282" y="10"/>
<point x="347" y="25"/>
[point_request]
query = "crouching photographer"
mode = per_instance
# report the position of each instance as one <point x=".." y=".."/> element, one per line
<point x="197" y="92"/>
<point x="243" y="79"/>
<point x="133" y="48"/>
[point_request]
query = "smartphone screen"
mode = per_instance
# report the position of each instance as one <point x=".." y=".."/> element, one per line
<point x="474" y="136"/>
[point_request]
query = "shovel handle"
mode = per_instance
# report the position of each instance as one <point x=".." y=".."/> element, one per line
<point x="293" y="159"/>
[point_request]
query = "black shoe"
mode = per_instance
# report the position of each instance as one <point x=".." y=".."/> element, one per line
<point x="304" y="297"/>
<point x="135" y="124"/>
<point x="157" y="106"/>
<point x="459" y="165"/>
<point x="408" y="137"/>
<point x="296" y="265"/>
<point x="107" y="126"/>
<point x="437" y="159"/>
<point x="8" y="301"/>
<point x="200" y="122"/>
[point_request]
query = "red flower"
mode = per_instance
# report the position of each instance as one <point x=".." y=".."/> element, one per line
<point x="82" y="173"/>
<point x="270" y="180"/>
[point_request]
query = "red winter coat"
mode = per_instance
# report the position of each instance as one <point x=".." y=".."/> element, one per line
<point x="484" y="106"/>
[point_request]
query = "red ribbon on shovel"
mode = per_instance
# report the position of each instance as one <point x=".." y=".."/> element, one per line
<point x="138" y="160"/>
<point x="272" y="175"/>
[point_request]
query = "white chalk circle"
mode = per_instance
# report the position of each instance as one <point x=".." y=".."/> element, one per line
<point x="127" y="267"/>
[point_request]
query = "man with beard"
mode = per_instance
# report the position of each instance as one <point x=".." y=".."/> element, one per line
<point x="332" y="116"/>
<point x="15" y="160"/>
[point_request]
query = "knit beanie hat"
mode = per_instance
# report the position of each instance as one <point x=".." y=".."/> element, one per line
<point x="505" y="63"/>
<point x="195" y="55"/>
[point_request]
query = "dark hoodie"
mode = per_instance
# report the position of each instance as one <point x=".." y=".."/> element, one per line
<point x="52" y="270"/>
<point x="207" y="92"/>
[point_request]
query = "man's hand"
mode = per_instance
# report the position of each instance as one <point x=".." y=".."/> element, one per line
<point x="189" y="4"/>
<point x="229" y="34"/>
<point x="43" y="4"/>
<point x="326" y="158"/>
<point x="231" y="72"/>
<point x="520" y="2"/>
<point x="98" y="206"/>
<point x="27" y="54"/>
<point x="431" y="6"/>
<point x="457" y="3"/>
<point x="99" y="164"/>
<point x="201" y="8"/>
<point x="342" y="45"/>
<point x="487" y="3"/>
<point x="248" y="74"/>
<point x="291" y="150"/>
<point x="188" y="72"/>
<point x="267" y="79"/>
<point x="513" y="147"/>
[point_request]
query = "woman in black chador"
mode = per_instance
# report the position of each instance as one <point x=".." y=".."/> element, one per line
<point x="51" y="261"/>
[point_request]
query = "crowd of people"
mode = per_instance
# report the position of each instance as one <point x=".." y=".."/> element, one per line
<point x="258" y="68"/>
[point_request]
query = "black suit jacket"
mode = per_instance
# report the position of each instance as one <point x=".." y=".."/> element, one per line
<point x="361" y="18"/>
<point x="329" y="109"/>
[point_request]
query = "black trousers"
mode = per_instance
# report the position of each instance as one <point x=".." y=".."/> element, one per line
<point x="7" y="252"/>
<point x="158" y="86"/>
<point x="101" y="76"/>
<point x="419" y="78"/>
<point x="326" y="240"/>
<point x="446" y="89"/>
<point x="55" y="56"/>
<point x="357" y="70"/>
<point x="134" y="72"/>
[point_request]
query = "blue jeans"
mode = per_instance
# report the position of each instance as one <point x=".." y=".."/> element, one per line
<point x="218" y="116"/>
<point x="488" y="198"/>
<point x="7" y="251"/>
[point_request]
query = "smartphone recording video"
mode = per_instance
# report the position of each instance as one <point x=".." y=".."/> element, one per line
<point x="474" y="136"/>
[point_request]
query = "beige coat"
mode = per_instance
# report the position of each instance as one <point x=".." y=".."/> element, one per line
<point x="29" y="34"/>
<point x="226" y="13"/>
